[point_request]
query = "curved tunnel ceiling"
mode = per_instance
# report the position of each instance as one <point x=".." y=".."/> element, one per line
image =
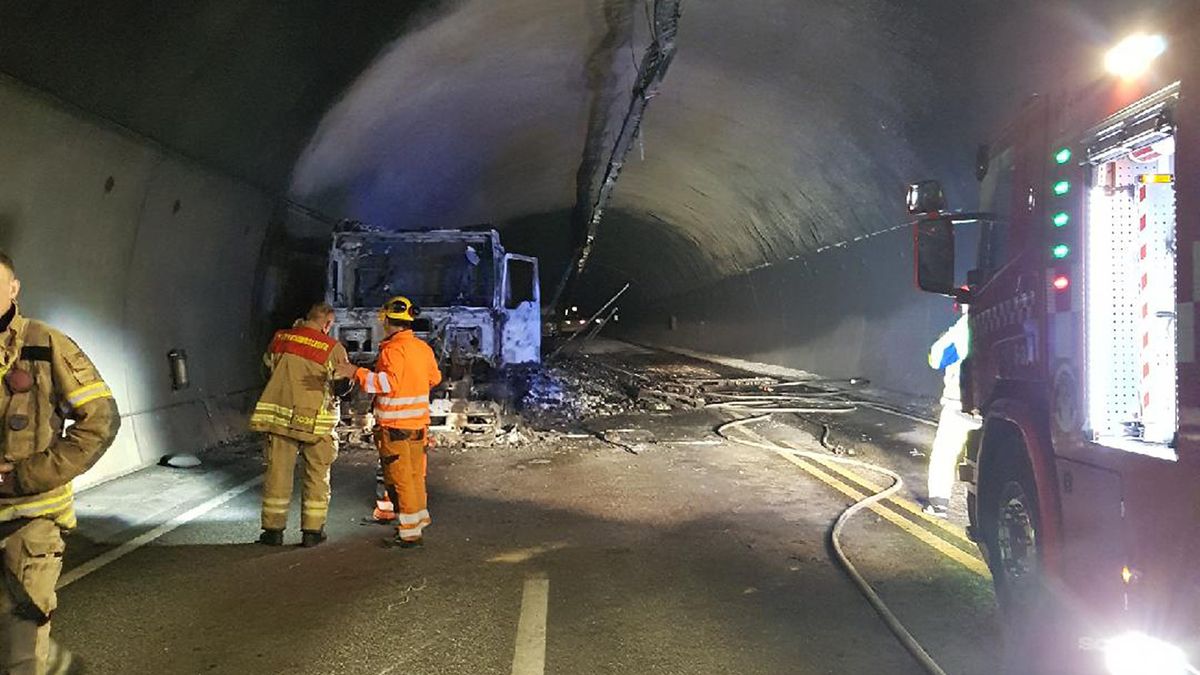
<point x="782" y="127"/>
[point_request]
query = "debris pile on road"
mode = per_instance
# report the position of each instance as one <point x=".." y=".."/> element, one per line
<point x="561" y="395"/>
<point x="581" y="396"/>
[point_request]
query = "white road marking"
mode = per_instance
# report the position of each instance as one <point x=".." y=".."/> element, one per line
<point x="530" y="655"/>
<point x="77" y="573"/>
<point x="521" y="555"/>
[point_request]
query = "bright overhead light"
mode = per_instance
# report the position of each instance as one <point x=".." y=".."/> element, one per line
<point x="1133" y="55"/>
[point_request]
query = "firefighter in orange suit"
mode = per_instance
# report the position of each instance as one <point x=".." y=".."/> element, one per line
<point x="47" y="380"/>
<point x="401" y="381"/>
<point x="298" y="411"/>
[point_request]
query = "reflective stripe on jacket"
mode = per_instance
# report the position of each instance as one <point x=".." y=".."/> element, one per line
<point x="45" y="453"/>
<point x="947" y="355"/>
<point x="57" y="505"/>
<point x="403" y="376"/>
<point x="298" y="401"/>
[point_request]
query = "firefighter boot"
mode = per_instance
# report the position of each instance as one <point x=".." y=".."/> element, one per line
<point x="397" y="542"/>
<point x="311" y="538"/>
<point x="271" y="538"/>
<point x="938" y="507"/>
<point x="385" y="508"/>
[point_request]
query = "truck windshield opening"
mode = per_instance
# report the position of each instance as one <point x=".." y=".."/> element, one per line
<point x="431" y="274"/>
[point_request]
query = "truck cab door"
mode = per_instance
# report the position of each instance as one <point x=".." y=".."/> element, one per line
<point x="521" y="320"/>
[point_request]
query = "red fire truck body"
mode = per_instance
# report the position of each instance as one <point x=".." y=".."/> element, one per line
<point x="1083" y="366"/>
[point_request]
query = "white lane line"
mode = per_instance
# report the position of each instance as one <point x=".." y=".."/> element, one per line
<point x="530" y="655"/>
<point x="77" y="573"/>
<point x="897" y="413"/>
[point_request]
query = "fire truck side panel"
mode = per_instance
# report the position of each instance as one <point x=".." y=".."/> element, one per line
<point x="1120" y="528"/>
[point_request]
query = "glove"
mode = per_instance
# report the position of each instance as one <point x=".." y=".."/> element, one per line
<point x="343" y="387"/>
<point x="8" y="480"/>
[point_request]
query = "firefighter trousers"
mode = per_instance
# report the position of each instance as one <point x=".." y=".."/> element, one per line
<point x="948" y="444"/>
<point x="404" y="465"/>
<point x="279" y="456"/>
<point x="32" y="563"/>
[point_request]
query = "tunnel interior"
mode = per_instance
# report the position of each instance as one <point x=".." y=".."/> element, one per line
<point x="170" y="174"/>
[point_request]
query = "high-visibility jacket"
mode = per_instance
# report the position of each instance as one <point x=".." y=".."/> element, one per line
<point x="947" y="355"/>
<point x="298" y="401"/>
<point x="403" y="375"/>
<point x="45" y="457"/>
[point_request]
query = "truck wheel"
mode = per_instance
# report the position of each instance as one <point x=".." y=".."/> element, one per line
<point x="1010" y="521"/>
<point x="1016" y="561"/>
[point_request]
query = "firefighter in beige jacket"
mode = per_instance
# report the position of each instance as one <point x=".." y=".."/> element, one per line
<point x="298" y="411"/>
<point x="47" y="379"/>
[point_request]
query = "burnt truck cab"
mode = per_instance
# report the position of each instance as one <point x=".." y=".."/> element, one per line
<point x="480" y="306"/>
<point x="1084" y="480"/>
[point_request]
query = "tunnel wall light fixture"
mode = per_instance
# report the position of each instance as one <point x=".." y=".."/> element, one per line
<point x="177" y="359"/>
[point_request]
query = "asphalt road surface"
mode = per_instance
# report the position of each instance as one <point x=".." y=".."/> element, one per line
<point x="567" y="555"/>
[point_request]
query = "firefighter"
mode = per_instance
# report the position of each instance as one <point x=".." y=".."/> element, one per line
<point x="298" y="411"/>
<point x="401" y="381"/>
<point x="47" y="380"/>
<point x="947" y="355"/>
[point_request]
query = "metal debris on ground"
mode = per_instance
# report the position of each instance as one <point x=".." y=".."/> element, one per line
<point x="633" y="441"/>
<point x="554" y="402"/>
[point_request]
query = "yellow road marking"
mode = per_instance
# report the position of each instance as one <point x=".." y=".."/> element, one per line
<point x="906" y="504"/>
<point x="956" y="554"/>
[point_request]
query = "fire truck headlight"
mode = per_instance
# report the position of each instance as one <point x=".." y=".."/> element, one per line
<point x="1133" y="55"/>
<point x="1139" y="653"/>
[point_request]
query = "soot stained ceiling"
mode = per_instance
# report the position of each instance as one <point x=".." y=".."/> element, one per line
<point x="782" y="126"/>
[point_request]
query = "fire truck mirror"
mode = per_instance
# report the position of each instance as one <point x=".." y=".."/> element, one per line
<point x="934" y="254"/>
<point x="925" y="197"/>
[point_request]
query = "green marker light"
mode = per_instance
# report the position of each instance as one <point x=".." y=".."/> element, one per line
<point x="1062" y="156"/>
<point x="1062" y="187"/>
<point x="1061" y="251"/>
<point x="1061" y="219"/>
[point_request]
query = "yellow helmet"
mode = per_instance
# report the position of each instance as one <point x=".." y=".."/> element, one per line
<point x="398" y="308"/>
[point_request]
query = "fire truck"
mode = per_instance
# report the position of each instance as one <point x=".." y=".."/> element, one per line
<point x="1084" y="477"/>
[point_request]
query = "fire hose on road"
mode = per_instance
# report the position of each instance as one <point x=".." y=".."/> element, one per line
<point x="767" y="404"/>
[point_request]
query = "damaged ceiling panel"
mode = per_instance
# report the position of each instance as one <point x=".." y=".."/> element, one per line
<point x="786" y="127"/>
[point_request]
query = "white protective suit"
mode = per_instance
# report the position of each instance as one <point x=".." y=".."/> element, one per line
<point x="947" y="354"/>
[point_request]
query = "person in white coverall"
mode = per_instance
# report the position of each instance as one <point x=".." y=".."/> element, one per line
<point x="947" y="355"/>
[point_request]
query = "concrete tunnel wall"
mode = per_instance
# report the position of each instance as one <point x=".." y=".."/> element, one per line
<point x="850" y="311"/>
<point x="167" y="258"/>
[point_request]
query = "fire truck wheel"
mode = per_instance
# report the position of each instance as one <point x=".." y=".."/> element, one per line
<point x="1011" y="524"/>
